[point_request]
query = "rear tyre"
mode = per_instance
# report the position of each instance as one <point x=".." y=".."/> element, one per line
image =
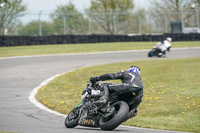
<point x="71" y="120"/>
<point x="113" y="121"/>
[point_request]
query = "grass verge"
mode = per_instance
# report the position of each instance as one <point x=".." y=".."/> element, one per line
<point x="171" y="92"/>
<point x="80" y="48"/>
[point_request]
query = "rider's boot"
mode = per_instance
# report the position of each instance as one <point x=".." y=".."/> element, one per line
<point x="107" y="109"/>
<point x="160" y="54"/>
<point x="103" y="102"/>
<point x="104" y="98"/>
<point x="164" y="52"/>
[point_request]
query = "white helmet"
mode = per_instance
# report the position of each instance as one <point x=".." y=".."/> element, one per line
<point x="169" y="39"/>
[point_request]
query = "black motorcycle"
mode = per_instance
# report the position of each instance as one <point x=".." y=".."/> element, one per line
<point x="118" y="109"/>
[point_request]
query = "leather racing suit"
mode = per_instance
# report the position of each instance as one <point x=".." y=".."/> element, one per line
<point x="131" y="82"/>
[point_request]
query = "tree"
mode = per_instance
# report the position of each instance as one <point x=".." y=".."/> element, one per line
<point x="67" y="20"/>
<point x="32" y="28"/>
<point x="9" y="11"/>
<point x="137" y="23"/>
<point x="197" y="1"/>
<point x="109" y="13"/>
<point x="165" y="11"/>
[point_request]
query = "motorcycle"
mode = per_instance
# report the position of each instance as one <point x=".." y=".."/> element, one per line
<point x="109" y="116"/>
<point x="156" y="50"/>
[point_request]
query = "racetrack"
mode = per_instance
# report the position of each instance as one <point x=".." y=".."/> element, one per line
<point x="19" y="75"/>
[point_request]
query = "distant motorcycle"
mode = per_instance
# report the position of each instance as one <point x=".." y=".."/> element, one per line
<point x="159" y="50"/>
<point x="86" y="113"/>
<point x="155" y="52"/>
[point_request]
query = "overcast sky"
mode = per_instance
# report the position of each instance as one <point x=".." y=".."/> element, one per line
<point x="47" y="6"/>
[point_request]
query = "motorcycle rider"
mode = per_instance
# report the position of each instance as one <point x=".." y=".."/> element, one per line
<point x="164" y="45"/>
<point x="131" y="82"/>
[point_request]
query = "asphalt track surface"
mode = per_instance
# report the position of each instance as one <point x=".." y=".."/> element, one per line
<point x="20" y="75"/>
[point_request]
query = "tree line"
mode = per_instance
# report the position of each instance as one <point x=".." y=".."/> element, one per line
<point x="102" y="17"/>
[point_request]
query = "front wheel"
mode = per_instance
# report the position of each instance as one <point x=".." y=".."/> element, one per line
<point x="72" y="118"/>
<point x="150" y="54"/>
<point x="113" y="121"/>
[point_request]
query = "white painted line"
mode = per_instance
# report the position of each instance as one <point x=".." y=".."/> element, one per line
<point x="89" y="53"/>
<point x="149" y="129"/>
<point x="40" y="105"/>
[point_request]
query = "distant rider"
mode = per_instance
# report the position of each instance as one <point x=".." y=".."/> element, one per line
<point x="164" y="45"/>
<point x="131" y="82"/>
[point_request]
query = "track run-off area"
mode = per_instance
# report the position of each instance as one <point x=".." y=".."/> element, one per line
<point x="20" y="75"/>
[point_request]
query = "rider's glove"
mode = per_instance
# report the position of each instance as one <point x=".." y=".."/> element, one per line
<point x="93" y="79"/>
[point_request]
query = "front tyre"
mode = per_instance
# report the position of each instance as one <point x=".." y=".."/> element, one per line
<point x="118" y="117"/>
<point x="71" y="120"/>
<point x="150" y="54"/>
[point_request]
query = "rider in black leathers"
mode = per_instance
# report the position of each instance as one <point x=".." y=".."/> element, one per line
<point x="131" y="82"/>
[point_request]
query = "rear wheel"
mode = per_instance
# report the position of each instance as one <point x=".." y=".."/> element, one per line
<point x="72" y="118"/>
<point x="114" y="120"/>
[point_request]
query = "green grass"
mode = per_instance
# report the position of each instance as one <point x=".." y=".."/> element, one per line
<point x="5" y="132"/>
<point x="80" y="48"/>
<point x="171" y="92"/>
